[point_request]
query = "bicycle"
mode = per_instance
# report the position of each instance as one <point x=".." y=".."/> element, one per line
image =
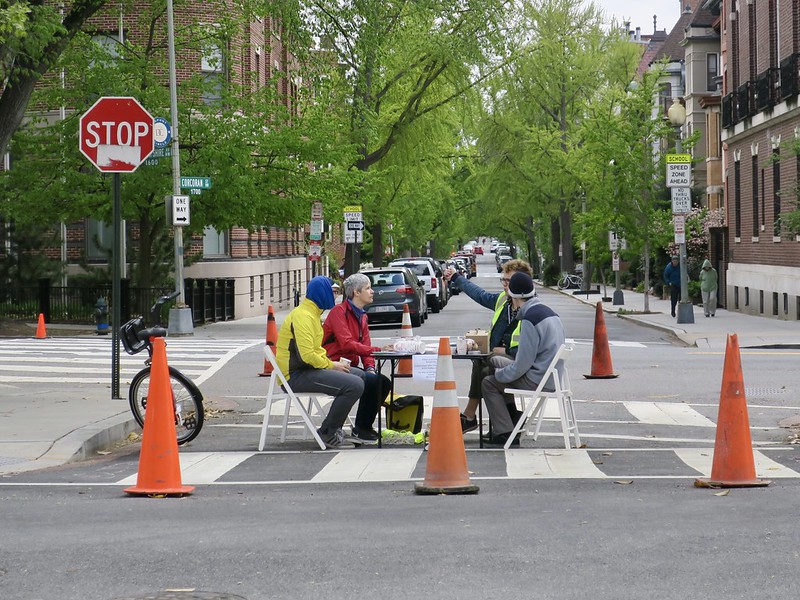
<point x="570" y="281"/>
<point x="186" y="396"/>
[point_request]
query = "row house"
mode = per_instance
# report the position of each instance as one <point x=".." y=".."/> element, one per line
<point x="760" y="129"/>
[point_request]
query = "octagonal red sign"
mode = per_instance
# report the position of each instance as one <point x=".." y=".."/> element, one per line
<point x="116" y="134"/>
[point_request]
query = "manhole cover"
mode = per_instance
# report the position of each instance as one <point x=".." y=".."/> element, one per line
<point x="184" y="595"/>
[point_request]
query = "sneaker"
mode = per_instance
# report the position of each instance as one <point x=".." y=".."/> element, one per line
<point x="468" y="424"/>
<point x="368" y="437"/>
<point x="336" y="440"/>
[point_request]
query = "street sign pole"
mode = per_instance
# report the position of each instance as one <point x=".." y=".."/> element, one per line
<point x="180" y="316"/>
<point x="679" y="176"/>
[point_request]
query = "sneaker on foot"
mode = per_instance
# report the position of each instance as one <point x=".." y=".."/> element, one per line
<point x="468" y="424"/>
<point x="335" y="440"/>
<point x="500" y="439"/>
<point x="364" y="436"/>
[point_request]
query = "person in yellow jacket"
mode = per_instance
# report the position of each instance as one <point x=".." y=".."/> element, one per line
<point x="303" y="360"/>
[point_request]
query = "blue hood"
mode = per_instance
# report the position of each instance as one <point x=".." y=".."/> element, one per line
<point x="320" y="292"/>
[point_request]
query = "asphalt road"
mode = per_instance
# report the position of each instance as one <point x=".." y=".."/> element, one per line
<point x="640" y="530"/>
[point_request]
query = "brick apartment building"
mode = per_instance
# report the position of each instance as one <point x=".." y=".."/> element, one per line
<point x="268" y="265"/>
<point x="760" y="133"/>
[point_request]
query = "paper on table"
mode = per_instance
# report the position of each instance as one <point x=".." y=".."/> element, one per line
<point x="424" y="366"/>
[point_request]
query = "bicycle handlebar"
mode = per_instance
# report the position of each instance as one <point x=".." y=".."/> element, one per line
<point x="155" y="311"/>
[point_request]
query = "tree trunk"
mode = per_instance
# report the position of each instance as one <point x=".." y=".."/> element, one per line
<point x="377" y="245"/>
<point x="567" y="255"/>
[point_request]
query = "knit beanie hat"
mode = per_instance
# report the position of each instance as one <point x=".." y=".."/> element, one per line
<point x="521" y="286"/>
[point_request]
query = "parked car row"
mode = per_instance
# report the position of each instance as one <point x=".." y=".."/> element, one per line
<point x="417" y="282"/>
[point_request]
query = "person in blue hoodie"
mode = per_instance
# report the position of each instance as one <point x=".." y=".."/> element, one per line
<point x="672" y="277"/>
<point x="305" y="363"/>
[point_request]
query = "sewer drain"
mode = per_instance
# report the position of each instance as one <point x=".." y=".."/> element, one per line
<point x="764" y="391"/>
<point x="181" y="595"/>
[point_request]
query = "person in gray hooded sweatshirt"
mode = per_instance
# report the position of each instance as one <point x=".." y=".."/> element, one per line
<point x="541" y="334"/>
<point x="708" y="288"/>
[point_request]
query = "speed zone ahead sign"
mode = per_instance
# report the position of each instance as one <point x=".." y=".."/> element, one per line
<point x="116" y="134"/>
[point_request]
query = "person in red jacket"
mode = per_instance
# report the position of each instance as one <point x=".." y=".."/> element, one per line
<point x="346" y="335"/>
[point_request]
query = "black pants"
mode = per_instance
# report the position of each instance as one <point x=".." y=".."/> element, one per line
<point x="674" y="296"/>
<point x="376" y="388"/>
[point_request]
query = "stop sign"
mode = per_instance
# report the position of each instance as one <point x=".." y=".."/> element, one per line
<point x="116" y="134"/>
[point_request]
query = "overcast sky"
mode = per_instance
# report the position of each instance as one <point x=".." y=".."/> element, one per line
<point x="640" y="12"/>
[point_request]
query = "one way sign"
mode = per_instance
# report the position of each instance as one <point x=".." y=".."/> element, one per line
<point x="180" y="211"/>
<point x="355" y="225"/>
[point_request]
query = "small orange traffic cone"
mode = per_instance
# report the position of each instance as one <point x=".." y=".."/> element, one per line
<point x="733" y="464"/>
<point x="41" y="333"/>
<point x="272" y="340"/>
<point x="601" y="355"/>
<point x="159" y="465"/>
<point x="405" y="368"/>
<point x="446" y="468"/>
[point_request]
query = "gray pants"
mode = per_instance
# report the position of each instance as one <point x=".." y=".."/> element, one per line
<point x="346" y="389"/>
<point x="496" y="399"/>
<point x="709" y="302"/>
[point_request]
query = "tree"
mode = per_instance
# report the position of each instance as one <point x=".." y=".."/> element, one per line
<point x="405" y="63"/>
<point x="267" y="164"/>
<point x="30" y="47"/>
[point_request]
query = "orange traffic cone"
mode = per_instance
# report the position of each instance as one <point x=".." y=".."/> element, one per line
<point x="733" y="464"/>
<point x="601" y="355"/>
<point x="272" y="340"/>
<point x="40" y="330"/>
<point x="405" y="368"/>
<point x="446" y="468"/>
<point x="159" y="466"/>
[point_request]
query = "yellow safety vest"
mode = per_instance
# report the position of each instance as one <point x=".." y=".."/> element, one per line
<point x="499" y="308"/>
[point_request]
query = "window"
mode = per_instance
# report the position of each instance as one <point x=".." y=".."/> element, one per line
<point x="755" y="194"/>
<point x="776" y="193"/>
<point x="712" y="71"/>
<point x="100" y="240"/>
<point x="737" y="198"/>
<point x="108" y="47"/>
<point x="214" y="242"/>
<point x="212" y="67"/>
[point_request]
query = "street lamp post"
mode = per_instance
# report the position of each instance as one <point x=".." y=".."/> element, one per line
<point x="677" y="117"/>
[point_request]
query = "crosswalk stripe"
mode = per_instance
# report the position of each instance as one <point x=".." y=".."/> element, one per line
<point x="199" y="468"/>
<point x="546" y="464"/>
<point x="385" y="464"/>
<point x="702" y="460"/>
<point x="667" y="413"/>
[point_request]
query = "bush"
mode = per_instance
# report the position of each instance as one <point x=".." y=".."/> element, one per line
<point x="550" y="274"/>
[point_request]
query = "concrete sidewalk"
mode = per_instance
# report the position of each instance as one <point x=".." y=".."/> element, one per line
<point x="705" y="332"/>
<point x="40" y="429"/>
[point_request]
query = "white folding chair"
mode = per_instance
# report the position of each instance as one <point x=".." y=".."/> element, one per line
<point x="290" y="399"/>
<point x="535" y="401"/>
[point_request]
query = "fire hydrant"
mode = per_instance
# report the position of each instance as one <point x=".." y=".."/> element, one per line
<point x="101" y="316"/>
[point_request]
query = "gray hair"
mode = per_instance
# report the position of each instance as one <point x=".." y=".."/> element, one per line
<point x="355" y="283"/>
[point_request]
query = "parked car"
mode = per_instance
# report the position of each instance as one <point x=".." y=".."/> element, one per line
<point x="472" y="265"/>
<point x="429" y="273"/>
<point x="395" y="287"/>
<point x="501" y="260"/>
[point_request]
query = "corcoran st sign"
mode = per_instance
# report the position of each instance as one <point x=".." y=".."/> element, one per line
<point x="116" y="134"/>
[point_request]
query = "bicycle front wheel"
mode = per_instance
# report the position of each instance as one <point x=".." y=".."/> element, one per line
<point x="563" y="283"/>
<point x="188" y="403"/>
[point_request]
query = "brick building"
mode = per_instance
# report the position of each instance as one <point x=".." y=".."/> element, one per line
<point x="267" y="265"/>
<point x="760" y="133"/>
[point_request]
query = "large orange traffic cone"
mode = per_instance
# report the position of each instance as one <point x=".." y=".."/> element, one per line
<point x="446" y="468"/>
<point x="41" y="333"/>
<point x="733" y="464"/>
<point x="601" y="355"/>
<point x="272" y="341"/>
<point x="405" y="368"/>
<point x="159" y="465"/>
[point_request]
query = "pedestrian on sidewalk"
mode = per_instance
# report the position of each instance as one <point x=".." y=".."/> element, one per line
<point x="504" y="324"/>
<point x="346" y="335"/>
<point x="303" y="360"/>
<point x="672" y="278"/>
<point x="708" y="288"/>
